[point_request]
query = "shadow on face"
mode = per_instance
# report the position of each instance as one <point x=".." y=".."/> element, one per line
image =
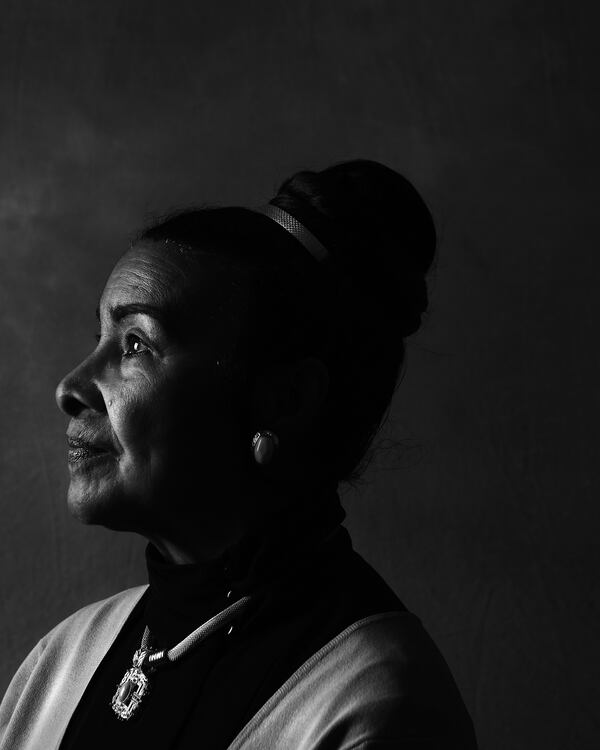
<point x="155" y="434"/>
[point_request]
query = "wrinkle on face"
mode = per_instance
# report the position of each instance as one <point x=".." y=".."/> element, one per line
<point x="170" y="411"/>
<point x="146" y="276"/>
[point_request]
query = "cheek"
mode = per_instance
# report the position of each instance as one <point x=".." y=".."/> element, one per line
<point x="165" y="422"/>
<point x="131" y="418"/>
<point x="141" y="421"/>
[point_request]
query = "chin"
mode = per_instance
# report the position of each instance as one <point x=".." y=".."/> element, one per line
<point x="94" y="507"/>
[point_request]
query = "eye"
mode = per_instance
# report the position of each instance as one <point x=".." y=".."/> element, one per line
<point x="134" y="346"/>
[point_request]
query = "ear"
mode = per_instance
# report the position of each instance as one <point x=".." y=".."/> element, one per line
<point x="290" y="397"/>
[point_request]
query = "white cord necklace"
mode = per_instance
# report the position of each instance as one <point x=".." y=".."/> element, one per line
<point x="146" y="660"/>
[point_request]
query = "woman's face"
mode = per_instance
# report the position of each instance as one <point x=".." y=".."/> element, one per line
<point x="155" y="435"/>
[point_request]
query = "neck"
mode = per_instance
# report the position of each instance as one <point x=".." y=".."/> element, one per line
<point x="186" y="552"/>
<point x="267" y="511"/>
<point x="186" y="591"/>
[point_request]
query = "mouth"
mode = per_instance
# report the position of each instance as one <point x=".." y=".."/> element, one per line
<point x="82" y="451"/>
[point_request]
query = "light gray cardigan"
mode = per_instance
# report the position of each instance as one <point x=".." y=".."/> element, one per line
<point x="350" y="695"/>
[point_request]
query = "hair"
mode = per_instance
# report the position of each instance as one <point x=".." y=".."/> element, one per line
<point x="353" y="313"/>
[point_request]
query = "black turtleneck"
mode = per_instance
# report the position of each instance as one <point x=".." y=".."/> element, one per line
<point x="307" y="585"/>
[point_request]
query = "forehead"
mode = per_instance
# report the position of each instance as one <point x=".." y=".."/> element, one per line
<point x="204" y="288"/>
<point x="152" y="273"/>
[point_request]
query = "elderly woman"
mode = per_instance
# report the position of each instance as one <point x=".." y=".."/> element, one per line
<point x="244" y="362"/>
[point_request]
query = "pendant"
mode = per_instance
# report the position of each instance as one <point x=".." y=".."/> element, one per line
<point x="132" y="688"/>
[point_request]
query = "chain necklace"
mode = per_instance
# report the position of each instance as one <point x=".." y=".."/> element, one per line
<point x="135" y="684"/>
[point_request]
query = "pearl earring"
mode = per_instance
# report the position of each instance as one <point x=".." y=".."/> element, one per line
<point x="264" y="445"/>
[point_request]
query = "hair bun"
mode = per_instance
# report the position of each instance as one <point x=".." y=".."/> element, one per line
<point x="376" y="226"/>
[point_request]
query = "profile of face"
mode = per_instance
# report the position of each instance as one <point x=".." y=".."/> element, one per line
<point x="155" y="435"/>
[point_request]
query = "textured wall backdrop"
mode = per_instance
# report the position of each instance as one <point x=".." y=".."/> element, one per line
<point x="487" y="523"/>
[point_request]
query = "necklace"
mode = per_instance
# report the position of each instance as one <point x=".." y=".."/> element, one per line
<point x="135" y="684"/>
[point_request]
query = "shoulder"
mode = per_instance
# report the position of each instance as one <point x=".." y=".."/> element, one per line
<point x="381" y="659"/>
<point x="105" y="614"/>
<point x="381" y="679"/>
<point x="396" y="683"/>
<point x="49" y="682"/>
<point x="394" y="644"/>
<point x="93" y="616"/>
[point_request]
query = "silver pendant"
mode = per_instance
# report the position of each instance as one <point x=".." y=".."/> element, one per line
<point x="132" y="688"/>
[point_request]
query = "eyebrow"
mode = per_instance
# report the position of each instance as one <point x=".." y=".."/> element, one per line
<point x="118" y="312"/>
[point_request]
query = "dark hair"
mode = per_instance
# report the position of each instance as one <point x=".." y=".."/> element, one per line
<point x="353" y="313"/>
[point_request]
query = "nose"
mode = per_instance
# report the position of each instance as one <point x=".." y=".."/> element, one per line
<point x="77" y="392"/>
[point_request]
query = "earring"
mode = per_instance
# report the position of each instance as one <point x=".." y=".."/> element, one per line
<point x="264" y="445"/>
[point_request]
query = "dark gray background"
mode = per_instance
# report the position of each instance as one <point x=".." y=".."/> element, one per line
<point x="487" y="523"/>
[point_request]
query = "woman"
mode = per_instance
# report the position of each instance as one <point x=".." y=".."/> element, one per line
<point x="245" y="360"/>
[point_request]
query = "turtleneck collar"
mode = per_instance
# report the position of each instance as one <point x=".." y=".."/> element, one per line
<point x="181" y="597"/>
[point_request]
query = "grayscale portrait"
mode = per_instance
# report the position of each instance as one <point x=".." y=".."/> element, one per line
<point x="293" y="448"/>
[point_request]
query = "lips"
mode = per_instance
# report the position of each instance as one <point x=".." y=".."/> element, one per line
<point x="81" y="449"/>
